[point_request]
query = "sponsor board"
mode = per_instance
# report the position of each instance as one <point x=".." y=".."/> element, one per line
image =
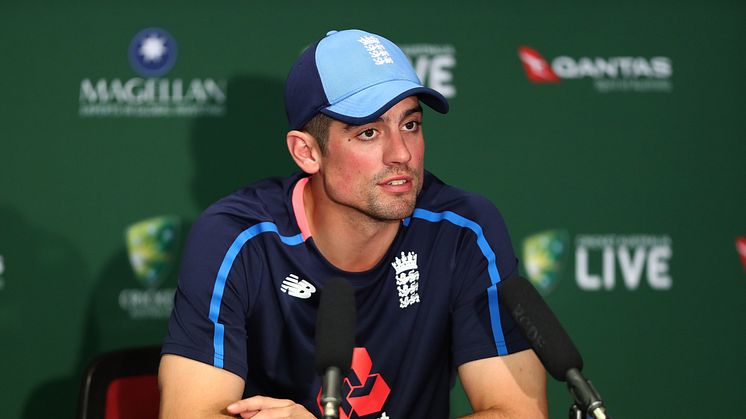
<point x="638" y="258"/>
<point x="632" y="73"/>
<point x="741" y="249"/>
<point x="152" y="54"/>
<point x="602" y="262"/>
<point x="2" y="272"/>
<point x="434" y="64"/>
<point x="544" y="258"/>
<point x="151" y="245"/>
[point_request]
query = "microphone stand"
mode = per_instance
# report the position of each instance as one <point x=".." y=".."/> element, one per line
<point x="588" y="403"/>
<point x="575" y="412"/>
<point x="331" y="395"/>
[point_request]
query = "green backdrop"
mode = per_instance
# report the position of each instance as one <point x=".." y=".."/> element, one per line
<point x="622" y="182"/>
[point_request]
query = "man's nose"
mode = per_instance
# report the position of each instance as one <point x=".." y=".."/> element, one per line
<point x="397" y="149"/>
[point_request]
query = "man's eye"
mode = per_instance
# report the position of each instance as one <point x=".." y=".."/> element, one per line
<point x="411" y="125"/>
<point x="367" y="134"/>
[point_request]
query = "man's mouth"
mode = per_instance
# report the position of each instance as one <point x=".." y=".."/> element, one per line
<point x="397" y="182"/>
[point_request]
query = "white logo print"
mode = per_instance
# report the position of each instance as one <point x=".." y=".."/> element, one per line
<point x="407" y="279"/>
<point x="376" y="50"/>
<point x="296" y="287"/>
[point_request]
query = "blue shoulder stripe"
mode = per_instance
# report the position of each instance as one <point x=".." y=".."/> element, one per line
<point x="484" y="246"/>
<point x="225" y="267"/>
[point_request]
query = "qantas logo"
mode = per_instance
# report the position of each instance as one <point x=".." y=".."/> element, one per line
<point x="536" y="67"/>
<point x="741" y="247"/>
<point x="617" y="73"/>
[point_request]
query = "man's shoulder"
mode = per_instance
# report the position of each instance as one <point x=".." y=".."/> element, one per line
<point x="440" y="198"/>
<point x="265" y="201"/>
<point x="449" y="209"/>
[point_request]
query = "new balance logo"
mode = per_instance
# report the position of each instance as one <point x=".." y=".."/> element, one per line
<point x="296" y="287"/>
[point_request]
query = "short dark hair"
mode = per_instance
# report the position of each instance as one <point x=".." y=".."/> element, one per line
<point x="318" y="127"/>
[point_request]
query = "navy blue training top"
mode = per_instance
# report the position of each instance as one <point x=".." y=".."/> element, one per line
<point x="249" y="289"/>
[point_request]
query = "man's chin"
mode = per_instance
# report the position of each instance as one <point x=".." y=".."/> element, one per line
<point x="391" y="211"/>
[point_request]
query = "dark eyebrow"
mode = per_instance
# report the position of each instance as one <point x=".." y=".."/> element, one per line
<point x="414" y="110"/>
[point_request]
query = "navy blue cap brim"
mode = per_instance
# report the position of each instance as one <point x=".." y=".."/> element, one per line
<point x="428" y="96"/>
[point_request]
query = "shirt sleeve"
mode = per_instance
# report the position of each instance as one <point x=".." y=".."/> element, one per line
<point x="208" y="322"/>
<point x="482" y="327"/>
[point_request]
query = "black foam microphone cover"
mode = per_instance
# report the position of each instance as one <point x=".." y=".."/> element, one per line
<point x="540" y="326"/>
<point x="335" y="326"/>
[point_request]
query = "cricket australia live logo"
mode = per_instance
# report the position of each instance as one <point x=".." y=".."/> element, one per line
<point x="407" y="279"/>
<point x="435" y="65"/>
<point x="153" y="246"/>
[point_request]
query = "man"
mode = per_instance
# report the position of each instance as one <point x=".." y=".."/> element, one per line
<point x="424" y="259"/>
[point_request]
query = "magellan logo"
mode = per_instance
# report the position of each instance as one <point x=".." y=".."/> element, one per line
<point x="152" y="54"/>
<point x="602" y="262"/>
<point x="152" y="246"/>
<point x="543" y="256"/>
<point x="609" y="74"/>
<point x="434" y="64"/>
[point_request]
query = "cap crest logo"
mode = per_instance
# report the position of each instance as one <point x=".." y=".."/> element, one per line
<point x="377" y="51"/>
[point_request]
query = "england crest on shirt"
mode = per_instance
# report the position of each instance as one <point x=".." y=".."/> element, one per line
<point x="407" y="279"/>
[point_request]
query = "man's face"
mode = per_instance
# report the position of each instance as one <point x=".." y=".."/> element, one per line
<point x="377" y="168"/>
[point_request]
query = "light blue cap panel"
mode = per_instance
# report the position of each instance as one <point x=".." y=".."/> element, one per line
<point x="361" y="72"/>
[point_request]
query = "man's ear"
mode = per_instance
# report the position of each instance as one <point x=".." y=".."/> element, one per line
<point x="304" y="150"/>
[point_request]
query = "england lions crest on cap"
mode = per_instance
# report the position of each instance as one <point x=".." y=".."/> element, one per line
<point x="152" y="246"/>
<point x="543" y="255"/>
<point x="152" y="52"/>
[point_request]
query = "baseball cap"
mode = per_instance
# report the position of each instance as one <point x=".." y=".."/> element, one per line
<point x="352" y="76"/>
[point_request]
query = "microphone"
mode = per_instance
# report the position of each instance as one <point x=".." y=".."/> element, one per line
<point x="549" y="340"/>
<point x="335" y="339"/>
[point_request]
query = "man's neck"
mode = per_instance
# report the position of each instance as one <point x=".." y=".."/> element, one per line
<point x="347" y="238"/>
